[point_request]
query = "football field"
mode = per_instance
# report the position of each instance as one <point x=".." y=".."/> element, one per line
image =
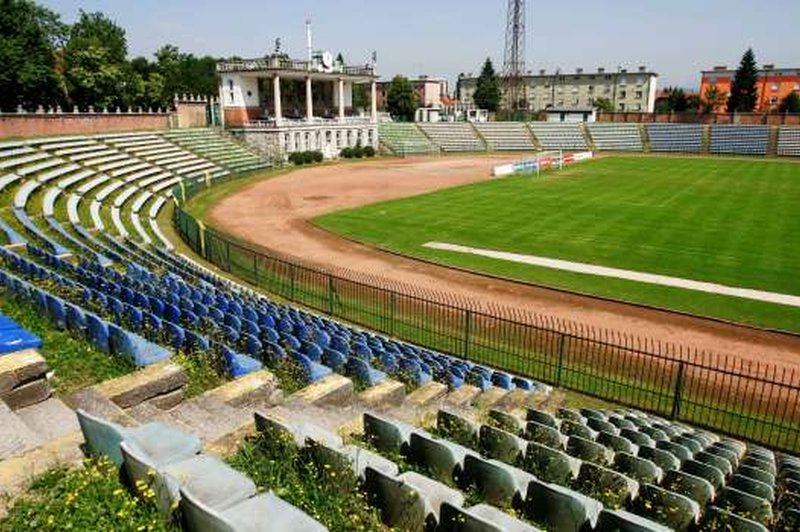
<point x="732" y="222"/>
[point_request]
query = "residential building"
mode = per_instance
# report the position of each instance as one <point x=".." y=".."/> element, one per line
<point x="774" y="84"/>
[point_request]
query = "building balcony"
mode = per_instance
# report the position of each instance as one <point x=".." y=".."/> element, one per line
<point x="286" y="64"/>
<point x="288" y="123"/>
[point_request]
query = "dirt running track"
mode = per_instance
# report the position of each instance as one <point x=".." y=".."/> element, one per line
<point x="274" y="214"/>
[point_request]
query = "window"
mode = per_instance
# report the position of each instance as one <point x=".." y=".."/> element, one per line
<point x="638" y="95"/>
<point x="576" y="102"/>
<point x="623" y="94"/>
<point x="621" y="106"/>
<point x="773" y="101"/>
<point x="230" y="84"/>
<point x="623" y="81"/>
<point x="774" y="87"/>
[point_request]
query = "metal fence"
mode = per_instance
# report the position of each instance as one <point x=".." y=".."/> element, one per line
<point x="745" y="399"/>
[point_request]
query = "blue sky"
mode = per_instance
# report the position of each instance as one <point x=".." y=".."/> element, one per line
<point x="677" y="38"/>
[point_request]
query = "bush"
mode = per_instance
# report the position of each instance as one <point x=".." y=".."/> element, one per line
<point x="358" y="151"/>
<point x="305" y="157"/>
<point x="369" y="151"/>
<point x="347" y="153"/>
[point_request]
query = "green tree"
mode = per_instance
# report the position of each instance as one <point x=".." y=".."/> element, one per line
<point x="744" y="89"/>
<point x="360" y="96"/>
<point x="790" y="104"/>
<point x="95" y="62"/>
<point x="487" y="88"/>
<point x="604" y="105"/>
<point x="674" y="100"/>
<point x="30" y="36"/>
<point x="401" y="101"/>
<point x="713" y="99"/>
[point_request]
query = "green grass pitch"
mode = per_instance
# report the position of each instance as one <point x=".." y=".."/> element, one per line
<point x="729" y="221"/>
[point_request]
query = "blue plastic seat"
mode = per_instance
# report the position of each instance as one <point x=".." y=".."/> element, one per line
<point x="175" y="334"/>
<point x="334" y="359"/>
<point x="361" y="370"/>
<point x="312" y="351"/>
<point x="412" y="370"/>
<point x="239" y="365"/>
<point x="502" y="380"/>
<point x="57" y="311"/>
<point x="253" y="346"/>
<point x="136" y="348"/>
<point x="97" y="331"/>
<point x="313" y="370"/>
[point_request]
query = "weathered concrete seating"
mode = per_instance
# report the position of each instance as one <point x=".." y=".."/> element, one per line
<point x="261" y="513"/>
<point x="708" y="472"/>
<point x="499" y="483"/>
<point x="639" y="438"/>
<point x="623" y="521"/>
<point x="213" y="482"/>
<point x="698" y="489"/>
<point x="409" y="501"/>
<point x="480" y="518"/>
<point x="743" y="503"/>
<point x="752" y="486"/>
<point x="299" y="433"/>
<point x="681" y="453"/>
<point x="162" y="443"/>
<point x="639" y="469"/>
<point x="387" y="434"/>
<point x="544" y="434"/>
<point x="610" y="487"/>
<point x="560" y="508"/>
<point x="715" y="460"/>
<point x="458" y="429"/>
<point x="671" y="509"/>
<point x="545" y="418"/>
<point x="572" y="428"/>
<point x="443" y="459"/>
<point x="589" y="450"/>
<point x="719" y="519"/>
<point x="350" y="457"/>
<point x="663" y="459"/>
<point x="501" y="445"/>
<point x="550" y="465"/>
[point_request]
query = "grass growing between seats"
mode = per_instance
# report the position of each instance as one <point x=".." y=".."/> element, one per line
<point x="75" y="362"/>
<point x="328" y="495"/>
<point x="91" y="498"/>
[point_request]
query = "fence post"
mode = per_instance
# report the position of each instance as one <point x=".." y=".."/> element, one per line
<point x="228" y="255"/>
<point x="676" y="398"/>
<point x="467" y="327"/>
<point x="562" y="349"/>
<point x="255" y="269"/>
<point x="291" y="281"/>
<point x="330" y="294"/>
<point x="201" y="229"/>
<point x="392" y="312"/>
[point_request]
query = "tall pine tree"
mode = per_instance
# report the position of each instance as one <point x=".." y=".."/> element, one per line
<point x="487" y="90"/>
<point x="744" y="89"/>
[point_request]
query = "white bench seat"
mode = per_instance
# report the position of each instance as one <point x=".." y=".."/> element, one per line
<point x="75" y="178"/>
<point x="94" y="183"/>
<point x="72" y="209"/>
<point x="94" y="212"/>
<point x="108" y="190"/>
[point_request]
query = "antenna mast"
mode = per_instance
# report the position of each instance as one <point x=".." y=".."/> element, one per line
<point x="514" y="60"/>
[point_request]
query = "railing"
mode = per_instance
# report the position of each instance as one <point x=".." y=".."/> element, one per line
<point x="270" y="123"/>
<point x="745" y="399"/>
<point x="285" y="63"/>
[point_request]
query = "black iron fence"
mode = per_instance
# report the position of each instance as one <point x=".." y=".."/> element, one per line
<point x="745" y="399"/>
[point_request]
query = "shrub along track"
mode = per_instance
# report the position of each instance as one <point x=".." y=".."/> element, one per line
<point x="274" y="214"/>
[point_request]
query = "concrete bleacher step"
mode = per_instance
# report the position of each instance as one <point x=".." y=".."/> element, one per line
<point x="50" y="419"/>
<point x="16" y="437"/>
<point x="489" y="398"/>
<point x="332" y="390"/>
<point x="463" y="396"/>
<point x="162" y="384"/>
<point x="387" y="393"/>
<point x="23" y="378"/>
<point x="210" y="418"/>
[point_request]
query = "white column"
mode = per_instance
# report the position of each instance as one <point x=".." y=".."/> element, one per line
<point x="341" y="99"/>
<point x="309" y="101"/>
<point x="276" y="92"/>
<point x="374" y="101"/>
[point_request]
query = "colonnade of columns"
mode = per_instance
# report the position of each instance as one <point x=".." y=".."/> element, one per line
<point x="278" y="110"/>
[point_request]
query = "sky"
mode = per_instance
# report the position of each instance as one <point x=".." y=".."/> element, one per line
<point x="677" y="38"/>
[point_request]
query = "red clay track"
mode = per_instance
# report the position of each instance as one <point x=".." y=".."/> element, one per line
<point x="274" y="214"/>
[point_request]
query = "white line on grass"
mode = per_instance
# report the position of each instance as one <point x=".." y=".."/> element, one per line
<point x="616" y="273"/>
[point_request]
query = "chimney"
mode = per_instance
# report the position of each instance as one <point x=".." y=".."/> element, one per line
<point x="601" y="70"/>
<point x="542" y="72"/>
<point x="642" y="68"/>
<point x="579" y="70"/>
<point x="720" y="68"/>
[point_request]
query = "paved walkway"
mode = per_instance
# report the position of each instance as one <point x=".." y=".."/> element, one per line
<point x="651" y="278"/>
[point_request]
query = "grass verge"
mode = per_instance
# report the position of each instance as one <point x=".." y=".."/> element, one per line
<point x="76" y="363"/>
<point x="91" y="498"/>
